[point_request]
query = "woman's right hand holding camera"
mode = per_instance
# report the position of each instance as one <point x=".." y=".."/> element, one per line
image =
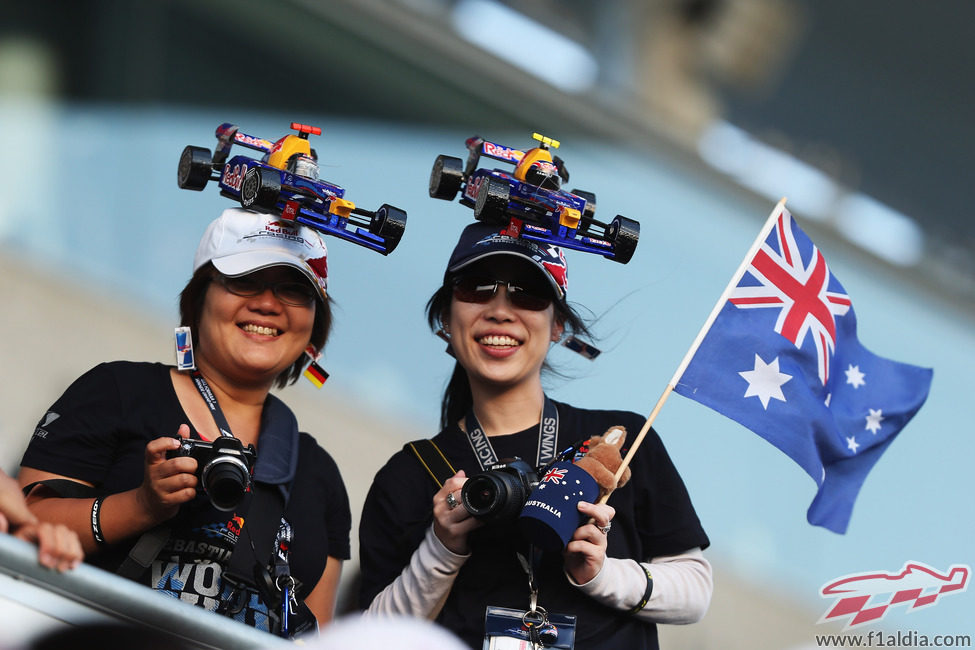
<point x="452" y="523"/>
<point x="168" y="482"/>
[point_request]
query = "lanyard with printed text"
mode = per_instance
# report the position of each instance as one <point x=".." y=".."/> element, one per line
<point x="207" y="393"/>
<point x="548" y="437"/>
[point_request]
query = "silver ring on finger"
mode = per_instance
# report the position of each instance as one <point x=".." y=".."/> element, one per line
<point x="605" y="529"/>
<point x="452" y="501"/>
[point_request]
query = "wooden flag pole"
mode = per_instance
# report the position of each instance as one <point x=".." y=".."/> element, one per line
<point x="736" y="278"/>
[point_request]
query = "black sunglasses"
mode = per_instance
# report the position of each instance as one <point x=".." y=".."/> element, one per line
<point x="290" y="292"/>
<point x="481" y="290"/>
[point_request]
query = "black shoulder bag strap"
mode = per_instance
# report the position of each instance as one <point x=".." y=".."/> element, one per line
<point x="433" y="460"/>
<point x="247" y="568"/>
<point x="145" y="550"/>
<point x="64" y="488"/>
<point x="440" y="469"/>
<point x="253" y="548"/>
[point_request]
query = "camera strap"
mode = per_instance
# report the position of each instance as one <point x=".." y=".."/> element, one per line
<point x="433" y="460"/>
<point x="246" y="569"/>
<point x="211" y="400"/>
<point x="548" y="437"/>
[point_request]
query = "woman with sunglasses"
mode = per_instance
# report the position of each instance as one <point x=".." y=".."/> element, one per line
<point x="152" y="465"/>
<point x="637" y="561"/>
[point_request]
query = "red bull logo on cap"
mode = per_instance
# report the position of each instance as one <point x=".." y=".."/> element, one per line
<point x="554" y="263"/>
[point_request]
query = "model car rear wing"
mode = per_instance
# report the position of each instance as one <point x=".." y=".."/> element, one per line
<point x="478" y="147"/>
<point x="228" y="135"/>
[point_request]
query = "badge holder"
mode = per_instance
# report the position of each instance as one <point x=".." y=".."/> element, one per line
<point x="516" y="629"/>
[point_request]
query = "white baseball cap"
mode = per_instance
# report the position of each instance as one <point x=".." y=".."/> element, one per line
<point x="239" y="242"/>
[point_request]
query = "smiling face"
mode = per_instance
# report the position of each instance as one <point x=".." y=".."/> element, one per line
<point x="502" y="347"/>
<point x="251" y="340"/>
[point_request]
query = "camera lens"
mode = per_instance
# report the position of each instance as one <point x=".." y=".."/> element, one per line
<point x="480" y="494"/>
<point x="225" y="480"/>
<point x="494" y="496"/>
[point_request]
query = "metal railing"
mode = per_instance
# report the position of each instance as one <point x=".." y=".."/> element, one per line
<point x="87" y="595"/>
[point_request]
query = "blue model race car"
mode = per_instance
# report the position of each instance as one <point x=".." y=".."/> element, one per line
<point x="285" y="182"/>
<point x="529" y="201"/>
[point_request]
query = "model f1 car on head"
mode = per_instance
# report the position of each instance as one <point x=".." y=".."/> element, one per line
<point x="529" y="201"/>
<point x="285" y="182"/>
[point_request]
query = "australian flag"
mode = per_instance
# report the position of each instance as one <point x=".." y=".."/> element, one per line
<point x="782" y="358"/>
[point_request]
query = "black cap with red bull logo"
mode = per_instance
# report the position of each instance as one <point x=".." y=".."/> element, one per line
<point x="480" y="240"/>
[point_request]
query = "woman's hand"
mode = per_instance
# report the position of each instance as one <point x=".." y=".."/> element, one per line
<point x="452" y="523"/>
<point x="58" y="546"/>
<point x="584" y="555"/>
<point x="168" y="483"/>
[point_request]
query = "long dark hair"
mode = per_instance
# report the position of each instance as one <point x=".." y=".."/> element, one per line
<point x="191" y="306"/>
<point x="457" y="398"/>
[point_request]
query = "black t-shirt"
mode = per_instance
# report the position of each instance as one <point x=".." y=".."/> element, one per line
<point x="654" y="517"/>
<point x="97" y="431"/>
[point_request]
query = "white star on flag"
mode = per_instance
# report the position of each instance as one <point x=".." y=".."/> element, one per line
<point x="854" y="377"/>
<point x="852" y="444"/>
<point x="873" y="420"/>
<point x="765" y="381"/>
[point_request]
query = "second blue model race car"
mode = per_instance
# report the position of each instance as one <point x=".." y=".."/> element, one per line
<point x="529" y="201"/>
<point x="285" y="182"/>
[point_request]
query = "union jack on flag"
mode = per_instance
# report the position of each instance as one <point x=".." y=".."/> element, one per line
<point x="783" y="359"/>
<point x="555" y="476"/>
<point x="798" y="290"/>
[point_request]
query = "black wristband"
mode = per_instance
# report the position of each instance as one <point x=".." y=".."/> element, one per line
<point x="96" y="521"/>
<point x="646" y="594"/>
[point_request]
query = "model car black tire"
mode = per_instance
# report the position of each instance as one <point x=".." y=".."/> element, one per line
<point x="590" y="210"/>
<point x="195" y="167"/>
<point x="389" y="223"/>
<point x="260" y="189"/>
<point x="624" y="234"/>
<point x="492" y="201"/>
<point x="446" y="177"/>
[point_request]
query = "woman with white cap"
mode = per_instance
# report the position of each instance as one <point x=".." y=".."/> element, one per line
<point x="635" y="561"/>
<point x="152" y="466"/>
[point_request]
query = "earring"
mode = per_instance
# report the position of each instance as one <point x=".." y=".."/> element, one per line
<point x="314" y="372"/>
<point x="184" y="349"/>
<point x="444" y="334"/>
<point x="579" y="346"/>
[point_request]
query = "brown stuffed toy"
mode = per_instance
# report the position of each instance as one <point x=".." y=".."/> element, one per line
<point x="604" y="459"/>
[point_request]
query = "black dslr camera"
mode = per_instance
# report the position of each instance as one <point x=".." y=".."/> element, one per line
<point x="500" y="493"/>
<point x="223" y="468"/>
